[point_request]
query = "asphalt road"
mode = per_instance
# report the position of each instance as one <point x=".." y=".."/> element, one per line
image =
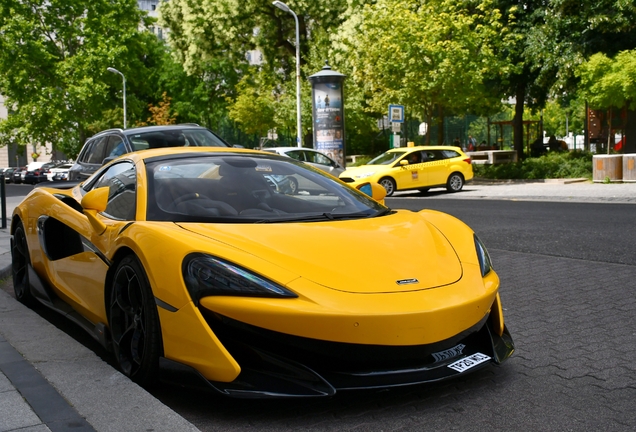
<point x="568" y="284"/>
<point x="568" y="275"/>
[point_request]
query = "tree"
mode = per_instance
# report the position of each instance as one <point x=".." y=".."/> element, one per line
<point x="53" y="60"/>
<point x="211" y="32"/>
<point x="436" y="63"/>
<point x="254" y="107"/>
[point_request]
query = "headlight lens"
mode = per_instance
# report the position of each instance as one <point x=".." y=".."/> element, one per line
<point x="205" y="275"/>
<point x="364" y="175"/>
<point x="485" y="264"/>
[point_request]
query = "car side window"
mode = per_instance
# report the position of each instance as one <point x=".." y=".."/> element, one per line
<point x="431" y="156"/>
<point x="115" y="146"/>
<point x="121" y="180"/>
<point x="95" y="154"/>
<point x="449" y="154"/>
<point x="298" y="155"/>
<point x="86" y="151"/>
<point x="320" y="159"/>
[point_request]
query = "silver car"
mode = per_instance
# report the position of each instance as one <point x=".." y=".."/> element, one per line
<point x="310" y="157"/>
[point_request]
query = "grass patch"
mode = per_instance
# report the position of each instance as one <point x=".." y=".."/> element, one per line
<point x="574" y="164"/>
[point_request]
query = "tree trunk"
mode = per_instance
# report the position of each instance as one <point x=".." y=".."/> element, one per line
<point x="629" y="143"/>
<point x="517" y="121"/>
<point x="440" y="125"/>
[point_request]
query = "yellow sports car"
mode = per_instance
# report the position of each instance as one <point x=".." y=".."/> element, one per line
<point x="194" y="262"/>
<point x="409" y="168"/>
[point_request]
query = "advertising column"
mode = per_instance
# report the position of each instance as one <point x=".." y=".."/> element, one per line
<point x="328" y="113"/>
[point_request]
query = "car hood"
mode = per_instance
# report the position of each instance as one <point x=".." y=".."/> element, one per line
<point x="394" y="253"/>
<point x="362" y="169"/>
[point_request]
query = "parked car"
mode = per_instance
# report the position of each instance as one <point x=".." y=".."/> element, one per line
<point x="17" y="175"/>
<point x="203" y="268"/>
<point x="8" y="175"/>
<point x="59" y="172"/>
<point x="408" y="168"/>
<point x="310" y="156"/>
<point x="34" y="174"/>
<point x="110" y="144"/>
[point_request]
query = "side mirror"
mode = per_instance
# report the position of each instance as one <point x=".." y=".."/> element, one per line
<point x="404" y="162"/>
<point x="108" y="159"/>
<point x="374" y="190"/>
<point x="95" y="202"/>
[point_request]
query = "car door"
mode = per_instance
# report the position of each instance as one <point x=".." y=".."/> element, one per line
<point x="412" y="175"/>
<point x="78" y="261"/>
<point x="436" y="167"/>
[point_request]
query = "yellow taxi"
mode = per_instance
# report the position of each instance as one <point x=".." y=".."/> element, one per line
<point x="409" y="168"/>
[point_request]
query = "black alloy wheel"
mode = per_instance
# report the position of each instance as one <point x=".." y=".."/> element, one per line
<point x="134" y="322"/>
<point x="293" y="185"/>
<point x="20" y="266"/>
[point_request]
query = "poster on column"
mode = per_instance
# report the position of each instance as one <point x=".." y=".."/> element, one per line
<point x="328" y="118"/>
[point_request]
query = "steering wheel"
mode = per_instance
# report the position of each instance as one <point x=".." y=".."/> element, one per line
<point x="188" y="197"/>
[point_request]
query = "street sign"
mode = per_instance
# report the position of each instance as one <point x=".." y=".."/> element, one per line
<point x="396" y="127"/>
<point x="423" y="128"/>
<point x="396" y="113"/>
<point x="383" y="123"/>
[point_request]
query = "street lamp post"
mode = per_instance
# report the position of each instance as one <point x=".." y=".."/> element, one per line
<point x="282" y="6"/>
<point x="113" y="70"/>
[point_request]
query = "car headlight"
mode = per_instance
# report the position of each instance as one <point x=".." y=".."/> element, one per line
<point x="205" y="275"/>
<point x="364" y="175"/>
<point x="485" y="264"/>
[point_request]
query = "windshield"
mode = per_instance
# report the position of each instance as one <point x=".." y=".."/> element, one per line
<point x="387" y="158"/>
<point x="195" y="137"/>
<point x="239" y="188"/>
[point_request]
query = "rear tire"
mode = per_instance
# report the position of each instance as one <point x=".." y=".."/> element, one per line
<point x="455" y="182"/>
<point x="388" y="184"/>
<point x="20" y="262"/>
<point x="134" y="322"/>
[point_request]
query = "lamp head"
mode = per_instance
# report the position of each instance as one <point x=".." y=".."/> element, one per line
<point x="282" y="6"/>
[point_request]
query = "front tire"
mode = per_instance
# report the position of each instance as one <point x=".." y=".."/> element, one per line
<point x="134" y="322"/>
<point x="20" y="266"/>
<point x="455" y="182"/>
<point x="389" y="185"/>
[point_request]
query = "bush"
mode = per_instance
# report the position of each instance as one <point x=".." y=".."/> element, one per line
<point x="574" y="164"/>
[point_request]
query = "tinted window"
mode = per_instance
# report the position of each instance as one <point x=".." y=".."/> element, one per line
<point x="296" y="154"/>
<point x="175" y="138"/>
<point x="95" y="153"/>
<point x="248" y="189"/>
<point x="449" y="154"/>
<point x="121" y="180"/>
<point x="115" y="146"/>
<point x="318" y="158"/>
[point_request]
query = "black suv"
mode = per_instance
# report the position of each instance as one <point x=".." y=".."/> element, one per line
<point x="112" y="143"/>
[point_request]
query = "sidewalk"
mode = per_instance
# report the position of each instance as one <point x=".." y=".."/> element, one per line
<point x="49" y="381"/>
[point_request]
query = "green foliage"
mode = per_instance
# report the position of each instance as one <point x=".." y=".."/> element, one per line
<point x="607" y="82"/>
<point x="53" y="60"/>
<point x="576" y="164"/>
<point x="440" y="58"/>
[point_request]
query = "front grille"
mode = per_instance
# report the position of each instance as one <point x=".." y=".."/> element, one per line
<point x="240" y="339"/>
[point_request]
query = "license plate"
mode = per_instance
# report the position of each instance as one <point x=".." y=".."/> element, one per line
<point x="469" y="362"/>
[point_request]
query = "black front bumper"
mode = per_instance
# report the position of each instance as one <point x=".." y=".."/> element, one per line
<point x="276" y="365"/>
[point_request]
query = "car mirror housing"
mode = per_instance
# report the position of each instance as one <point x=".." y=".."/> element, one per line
<point x="404" y="162"/>
<point x="374" y="190"/>
<point x="95" y="202"/>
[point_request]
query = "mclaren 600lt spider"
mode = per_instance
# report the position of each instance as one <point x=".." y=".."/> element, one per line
<point x="198" y="262"/>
